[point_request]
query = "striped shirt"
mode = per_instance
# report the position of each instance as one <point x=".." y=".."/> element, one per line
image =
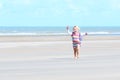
<point x="76" y="37"/>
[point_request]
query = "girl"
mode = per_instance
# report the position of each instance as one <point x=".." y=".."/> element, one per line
<point x="76" y="39"/>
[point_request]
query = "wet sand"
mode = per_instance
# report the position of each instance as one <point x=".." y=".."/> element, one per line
<point x="51" y="58"/>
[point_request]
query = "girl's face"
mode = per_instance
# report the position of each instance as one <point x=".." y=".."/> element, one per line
<point x="75" y="29"/>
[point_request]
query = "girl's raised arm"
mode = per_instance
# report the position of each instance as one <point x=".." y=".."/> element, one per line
<point x="68" y="30"/>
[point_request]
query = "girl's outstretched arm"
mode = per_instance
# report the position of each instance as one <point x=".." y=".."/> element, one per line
<point x="85" y="34"/>
<point x="68" y="30"/>
<point x="81" y="36"/>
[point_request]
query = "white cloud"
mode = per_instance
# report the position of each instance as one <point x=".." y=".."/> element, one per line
<point x="39" y="12"/>
<point x="58" y="12"/>
<point x="22" y="2"/>
<point x="79" y="7"/>
<point x="44" y="12"/>
<point x="115" y="4"/>
<point x="27" y="2"/>
<point x="72" y="5"/>
<point x="1" y="5"/>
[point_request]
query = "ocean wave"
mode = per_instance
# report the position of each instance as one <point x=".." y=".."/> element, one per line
<point x="56" y="33"/>
<point x="15" y="34"/>
<point x="98" y="32"/>
<point x="7" y="34"/>
<point x="104" y="33"/>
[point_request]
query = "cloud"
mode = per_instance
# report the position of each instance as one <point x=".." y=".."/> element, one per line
<point x="72" y="5"/>
<point x="39" y="12"/>
<point x="22" y="2"/>
<point x="48" y="12"/>
<point x="1" y="5"/>
<point x="50" y="8"/>
<point x="79" y="7"/>
<point x="115" y="4"/>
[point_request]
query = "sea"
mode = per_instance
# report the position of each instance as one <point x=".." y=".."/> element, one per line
<point x="57" y="30"/>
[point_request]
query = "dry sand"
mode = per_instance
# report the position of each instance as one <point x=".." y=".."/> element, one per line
<point x="51" y="58"/>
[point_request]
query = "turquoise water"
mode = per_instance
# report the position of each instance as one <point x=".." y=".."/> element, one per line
<point x="58" y="30"/>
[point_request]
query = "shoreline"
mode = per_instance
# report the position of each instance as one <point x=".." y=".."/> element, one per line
<point x="42" y="38"/>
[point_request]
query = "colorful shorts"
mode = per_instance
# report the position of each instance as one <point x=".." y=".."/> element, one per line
<point x="76" y="45"/>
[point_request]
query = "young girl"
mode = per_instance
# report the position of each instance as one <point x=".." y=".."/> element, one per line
<point x="76" y="39"/>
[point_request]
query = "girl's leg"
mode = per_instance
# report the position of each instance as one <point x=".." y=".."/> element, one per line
<point x="75" y="52"/>
<point x="78" y="51"/>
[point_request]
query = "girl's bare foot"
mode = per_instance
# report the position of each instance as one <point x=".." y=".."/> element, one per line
<point x="75" y="57"/>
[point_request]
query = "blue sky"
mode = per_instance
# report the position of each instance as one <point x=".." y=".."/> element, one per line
<point x="59" y="12"/>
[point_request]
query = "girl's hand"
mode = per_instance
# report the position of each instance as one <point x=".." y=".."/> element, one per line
<point x="67" y="27"/>
<point x="86" y="33"/>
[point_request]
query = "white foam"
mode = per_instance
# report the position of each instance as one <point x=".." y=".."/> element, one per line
<point x="57" y="33"/>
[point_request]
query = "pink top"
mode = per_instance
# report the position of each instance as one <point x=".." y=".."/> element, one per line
<point x="76" y="37"/>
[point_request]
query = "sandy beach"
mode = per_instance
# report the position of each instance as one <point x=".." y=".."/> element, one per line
<point x="51" y="58"/>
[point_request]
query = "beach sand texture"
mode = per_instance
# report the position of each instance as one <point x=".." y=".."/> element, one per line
<point x="38" y="58"/>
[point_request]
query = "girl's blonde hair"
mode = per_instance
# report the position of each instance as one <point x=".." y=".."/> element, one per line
<point x="76" y="27"/>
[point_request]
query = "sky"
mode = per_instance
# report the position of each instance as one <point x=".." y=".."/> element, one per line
<point x="59" y="12"/>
